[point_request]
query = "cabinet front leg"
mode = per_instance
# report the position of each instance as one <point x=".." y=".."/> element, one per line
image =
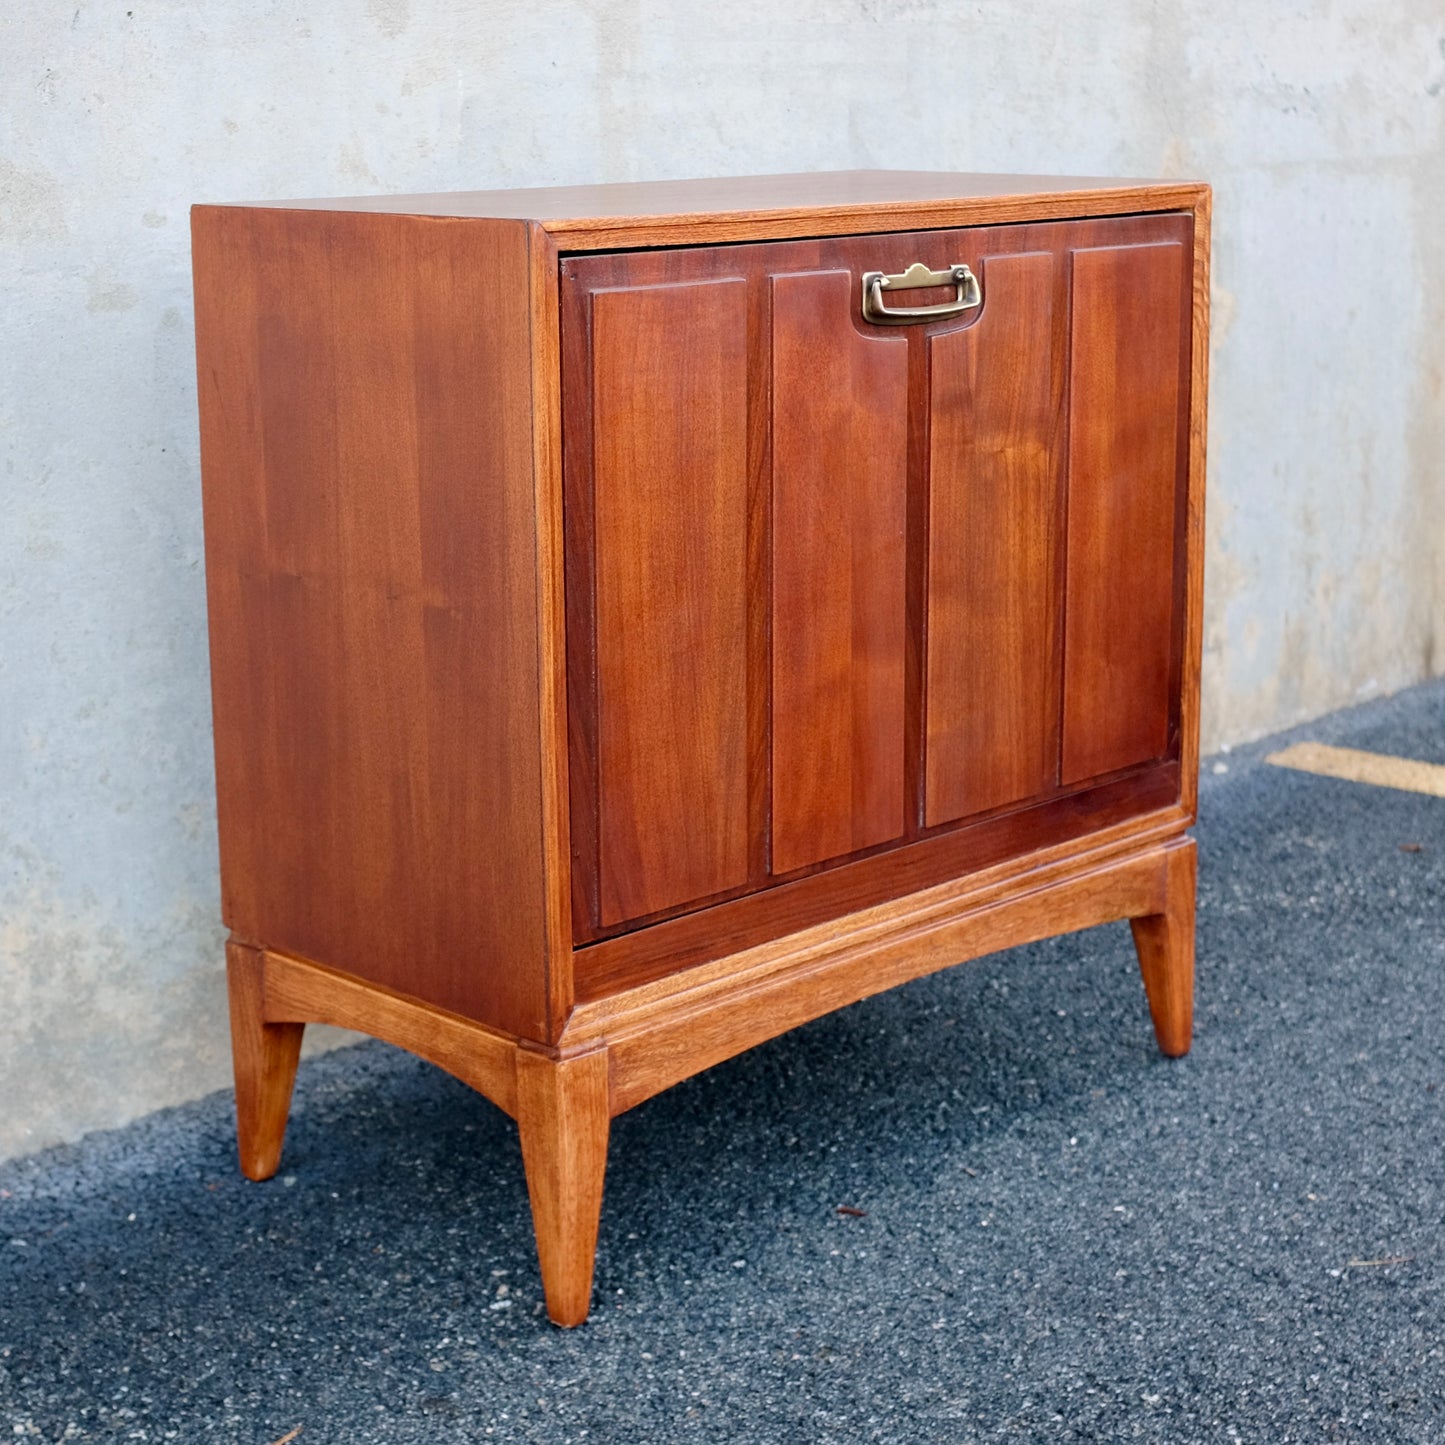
<point x="1165" y="944"/>
<point x="563" y="1117"/>
<point x="264" y="1057"/>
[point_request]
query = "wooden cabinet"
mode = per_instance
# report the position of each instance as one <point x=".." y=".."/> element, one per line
<point x="628" y="644"/>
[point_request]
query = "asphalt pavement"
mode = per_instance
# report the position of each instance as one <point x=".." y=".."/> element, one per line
<point x="979" y="1208"/>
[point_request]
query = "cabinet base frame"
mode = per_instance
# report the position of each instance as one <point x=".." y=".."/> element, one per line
<point x="617" y="1052"/>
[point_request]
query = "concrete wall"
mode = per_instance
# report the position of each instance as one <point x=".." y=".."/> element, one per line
<point x="1320" y="125"/>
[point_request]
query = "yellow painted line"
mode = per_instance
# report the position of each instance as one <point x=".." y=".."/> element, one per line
<point x="1357" y="767"/>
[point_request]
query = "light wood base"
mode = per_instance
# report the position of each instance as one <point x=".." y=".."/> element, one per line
<point x="616" y="1052"/>
<point x="563" y="1115"/>
<point x="1165" y="944"/>
<point x="264" y="1057"/>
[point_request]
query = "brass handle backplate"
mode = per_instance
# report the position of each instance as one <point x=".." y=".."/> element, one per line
<point x="875" y="283"/>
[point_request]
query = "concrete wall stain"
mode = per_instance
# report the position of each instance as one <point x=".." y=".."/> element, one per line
<point x="1322" y="128"/>
<point x="108" y="295"/>
<point x="32" y="206"/>
<point x="391" y="17"/>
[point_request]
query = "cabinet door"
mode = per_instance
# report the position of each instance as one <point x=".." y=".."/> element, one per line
<point x="838" y="589"/>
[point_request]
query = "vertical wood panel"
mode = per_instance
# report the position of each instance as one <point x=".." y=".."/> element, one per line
<point x="366" y="435"/>
<point x="381" y="733"/>
<point x="994" y="522"/>
<point x="547" y="492"/>
<point x="1124" y="398"/>
<point x="840" y="410"/>
<point x="1192" y="544"/>
<point x="669" y="433"/>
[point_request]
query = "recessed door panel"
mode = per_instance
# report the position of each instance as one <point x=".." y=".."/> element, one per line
<point x="1125" y="379"/>
<point x="669" y="448"/>
<point x="994" y="530"/>
<point x="840" y="502"/>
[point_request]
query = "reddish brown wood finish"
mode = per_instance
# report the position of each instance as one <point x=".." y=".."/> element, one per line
<point x="371" y="565"/>
<point x="840" y="473"/>
<point x="264" y="1056"/>
<point x="994" y="524"/>
<point x="664" y="1032"/>
<point x="1125" y="390"/>
<point x="563" y="1115"/>
<point x="620" y="1051"/>
<point x="551" y="624"/>
<point x="670" y="513"/>
<point x="1143" y="803"/>
<point x="754" y="208"/>
<point x="1189" y="557"/>
<point x="297" y="991"/>
<point x="1165" y="944"/>
<point x="985" y="543"/>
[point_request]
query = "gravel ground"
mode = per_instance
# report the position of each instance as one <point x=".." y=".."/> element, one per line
<point x="1062" y="1236"/>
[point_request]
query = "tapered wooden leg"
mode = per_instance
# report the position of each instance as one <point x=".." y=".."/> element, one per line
<point x="1165" y="944"/>
<point x="563" y="1116"/>
<point x="264" y="1057"/>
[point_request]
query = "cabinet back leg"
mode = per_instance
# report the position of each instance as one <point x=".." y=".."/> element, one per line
<point x="1165" y="945"/>
<point x="264" y="1057"/>
<point x="563" y="1117"/>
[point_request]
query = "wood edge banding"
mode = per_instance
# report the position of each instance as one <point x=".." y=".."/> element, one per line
<point x="604" y="232"/>
<point x="544" y="319"/>
<point x="697" y="228"/>
<point x="1194" y="547"/>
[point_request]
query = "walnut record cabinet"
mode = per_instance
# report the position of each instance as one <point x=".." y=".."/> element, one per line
<point x="647" y="617"/>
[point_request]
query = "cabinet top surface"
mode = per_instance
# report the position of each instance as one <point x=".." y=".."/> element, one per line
<point x="823" y="194"/>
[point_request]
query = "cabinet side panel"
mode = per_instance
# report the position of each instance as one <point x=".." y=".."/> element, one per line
<point x="227" y="310"/>
<point x="371" y="558"/>
<point x="994" y="524"/>
<point x="669" y="369"/>
<point x="1124" y="401"/>
<point x="840" y="480"/>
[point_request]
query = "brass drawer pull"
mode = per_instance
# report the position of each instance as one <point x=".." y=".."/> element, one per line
<point x="875" y="283"/>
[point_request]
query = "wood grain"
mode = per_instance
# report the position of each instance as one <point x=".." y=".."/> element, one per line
<point x="563" y="1115"/>
<point x="547" y="492"/>
<point x="372" y="572"/>
<point x="757" y="208"/>
<point x="994" y="532"/>
<point x="1190" y="560"/>
<point x="670" y="507"/>
<point x="432" y="446"/>
<point x="840" y="473"/>
<point x="561" y="1104"/>
<point x="1126" y="389"/>
<point x="1164" y="941"/>
<point x="264" y="1055"/>
<point x="656" y="1041"/>
<point x="767" y="666"/>
<point x="298" y="990"/>
<point x="759" y="585"/>
<point x="1141" y="803"/>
